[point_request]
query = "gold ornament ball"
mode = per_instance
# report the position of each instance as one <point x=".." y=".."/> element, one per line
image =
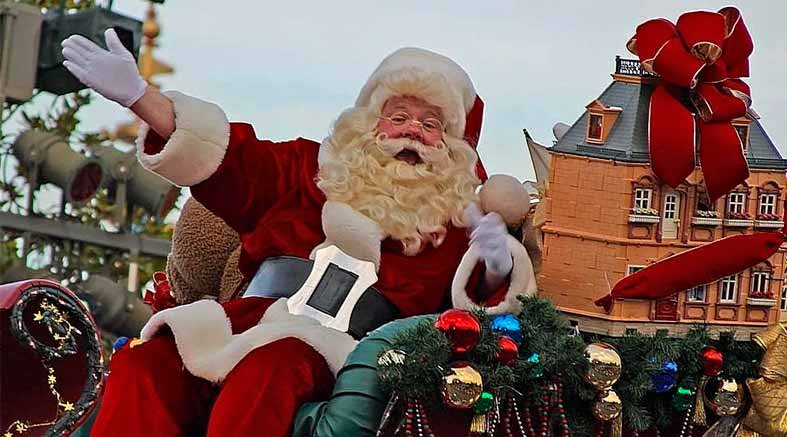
<point x="151" y="29"/>
<point x="608" y="406"/>
<point x="463" y="387"/>
<point x="729" y="398"/>
<point x="604" y="365"/>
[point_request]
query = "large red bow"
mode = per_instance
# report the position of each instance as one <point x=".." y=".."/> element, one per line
<point x="702" y="57"/>
<point x="700" y="60"/>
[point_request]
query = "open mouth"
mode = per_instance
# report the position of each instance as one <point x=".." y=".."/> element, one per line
<point x="409" y="156"/>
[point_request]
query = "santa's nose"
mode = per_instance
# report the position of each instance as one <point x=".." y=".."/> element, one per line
<point x="413" y="132"/>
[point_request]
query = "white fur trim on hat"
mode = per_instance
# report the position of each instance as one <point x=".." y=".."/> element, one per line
<point x="196" y="147"/>
<point x="523" y="280"/>
<point x="420" y="73"/>
<point x="209" y="350"/>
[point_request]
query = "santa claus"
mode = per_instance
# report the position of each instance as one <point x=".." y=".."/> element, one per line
<point x="338" y="238"/>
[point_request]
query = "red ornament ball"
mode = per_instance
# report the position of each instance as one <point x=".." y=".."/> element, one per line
<point x="712" y="361"/>
<point x="508" y="350"/>
<point x="462" y="329"/>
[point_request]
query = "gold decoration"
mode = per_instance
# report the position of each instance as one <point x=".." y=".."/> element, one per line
<point x="608" y="406"/>
<point x="62" y="331"/>
<point x="767" y="416"/>
<point x="700" y="417"/>
<point x="729" y="398"/>
<point x="604" y="369"/>
<point x="463" y="387"/>
<point x="605" y="366"/>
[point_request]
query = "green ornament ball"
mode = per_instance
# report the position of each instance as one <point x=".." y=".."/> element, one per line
<point x="683" y="399"/>
<point x="485" y="403"/>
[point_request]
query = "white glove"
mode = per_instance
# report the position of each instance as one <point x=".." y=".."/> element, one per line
<point x="113" y="74"/>
<point x="490" y="234"/>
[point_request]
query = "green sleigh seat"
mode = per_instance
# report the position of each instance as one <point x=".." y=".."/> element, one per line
<point x="358" y="401"/>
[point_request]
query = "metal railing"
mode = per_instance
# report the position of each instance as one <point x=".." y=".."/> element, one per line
<point x="631" y="67"/>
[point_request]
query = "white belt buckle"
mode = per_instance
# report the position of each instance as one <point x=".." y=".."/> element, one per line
<point x="366" y="274"/>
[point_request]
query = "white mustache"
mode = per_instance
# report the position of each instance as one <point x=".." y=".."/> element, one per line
<point x="428" y="154"/>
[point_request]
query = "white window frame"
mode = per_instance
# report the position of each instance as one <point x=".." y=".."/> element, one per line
<point x="727" y="286"/>
<point x="768" y="207"/>
<point x="745" y="138"/>
<point x="643" y="197"/>
<point x="736" y="202"/>
<point x="695" y="295"/>
<point x="601" y="126"/>
<point x="760" y="283"/>
<point x="783" y="305"/>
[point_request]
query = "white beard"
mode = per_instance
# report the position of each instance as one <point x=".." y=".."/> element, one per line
<point x="412" y="203"/>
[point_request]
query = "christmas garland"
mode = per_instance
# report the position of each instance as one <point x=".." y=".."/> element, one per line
<point x="532" y="374"/>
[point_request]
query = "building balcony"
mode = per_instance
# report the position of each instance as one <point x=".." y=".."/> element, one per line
<point x="631" y="67"/>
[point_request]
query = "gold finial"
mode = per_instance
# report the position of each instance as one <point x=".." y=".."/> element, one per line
<point x="149" y="66"/>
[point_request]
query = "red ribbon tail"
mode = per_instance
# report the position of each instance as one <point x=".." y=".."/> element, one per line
<point x="700" y="265"/>
<point x="721" y="155"/>
<point x="670" y="136"/>
<point x="605" y="302"/>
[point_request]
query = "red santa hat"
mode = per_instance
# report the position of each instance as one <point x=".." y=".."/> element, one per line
<point x="417" y="72"/>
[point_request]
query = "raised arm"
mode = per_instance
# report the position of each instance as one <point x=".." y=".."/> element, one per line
<point x="188" y="141"/>
<point x="113" y="73"/>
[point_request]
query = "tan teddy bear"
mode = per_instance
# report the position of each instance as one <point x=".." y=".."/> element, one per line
<point x="203" y="261"/>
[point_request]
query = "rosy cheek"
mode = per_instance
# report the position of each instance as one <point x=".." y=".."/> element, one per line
<point x="433" y="139"/>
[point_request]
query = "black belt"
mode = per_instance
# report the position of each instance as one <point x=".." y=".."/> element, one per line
<point x="282" y="276"/>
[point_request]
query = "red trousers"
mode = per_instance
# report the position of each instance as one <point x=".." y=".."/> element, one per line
<point x="150" y="393"/>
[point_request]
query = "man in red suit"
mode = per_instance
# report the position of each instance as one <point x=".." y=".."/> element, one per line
<point x="388" y="187"/>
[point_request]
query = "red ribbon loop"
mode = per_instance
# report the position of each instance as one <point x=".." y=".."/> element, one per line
<point x="160" y="298"/>
<point x="701" y="57"/>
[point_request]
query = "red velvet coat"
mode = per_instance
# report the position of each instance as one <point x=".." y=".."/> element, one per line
<point x="267" y="192"/>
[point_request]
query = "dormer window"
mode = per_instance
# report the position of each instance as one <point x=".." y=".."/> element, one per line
<point x="601" y="120"/>
<point x="743" y="134"/>
<point x="594" y="128"/>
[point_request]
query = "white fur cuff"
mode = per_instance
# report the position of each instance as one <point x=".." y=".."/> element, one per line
<point x="196" y="148"/>
<point x="209" y="350"/>
<point x="523" y="280"/>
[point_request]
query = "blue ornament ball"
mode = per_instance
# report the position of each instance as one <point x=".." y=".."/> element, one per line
<point x="665" y="379"/>
<point x="508" y="325"/>
<point x="119" y="343"/>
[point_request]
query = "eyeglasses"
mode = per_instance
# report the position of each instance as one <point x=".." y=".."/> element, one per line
<point x="430" y="125"/>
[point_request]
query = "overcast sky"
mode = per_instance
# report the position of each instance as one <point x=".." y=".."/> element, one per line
<point x="289" y="67"/>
